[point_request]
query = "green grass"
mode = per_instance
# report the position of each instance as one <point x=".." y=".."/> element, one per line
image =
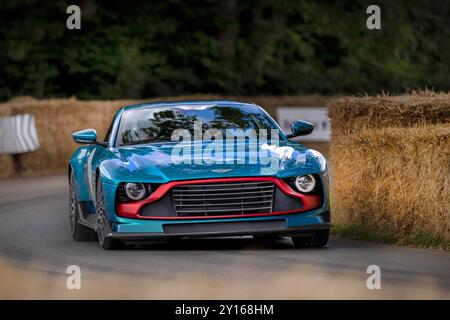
<point x="364" y="232"/>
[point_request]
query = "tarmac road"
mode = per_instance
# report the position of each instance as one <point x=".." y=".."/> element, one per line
<point x="34" y="229"/>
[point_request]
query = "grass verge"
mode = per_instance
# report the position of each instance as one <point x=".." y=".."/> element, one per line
<point x="364" y="232"/>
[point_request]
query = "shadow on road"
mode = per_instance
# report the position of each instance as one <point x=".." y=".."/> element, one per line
<point x="217" y="244"/>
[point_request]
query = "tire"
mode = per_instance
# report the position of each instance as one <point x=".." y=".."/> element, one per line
<point x="318" y="240"/>
<point x="103" y="226"/>
<point x="78" y="231"/>
<point x="302" y="242"/>
<point x="321" y="238"/>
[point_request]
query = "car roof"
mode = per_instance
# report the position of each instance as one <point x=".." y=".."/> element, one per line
<point x="187" y="103"/>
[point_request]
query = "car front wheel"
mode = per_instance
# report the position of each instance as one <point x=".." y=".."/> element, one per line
<point x="103" y="227"/>
<point x="77" y="230"/>
<point x="319" y="239"/>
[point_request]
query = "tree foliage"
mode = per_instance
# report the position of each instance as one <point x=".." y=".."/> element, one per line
<point x="145" y="48"/>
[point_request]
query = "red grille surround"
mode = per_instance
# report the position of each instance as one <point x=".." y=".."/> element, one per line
<point x="132" y="209"/>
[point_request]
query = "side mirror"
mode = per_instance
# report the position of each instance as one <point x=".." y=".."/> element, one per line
<point x="301" y="128"/>
<point x="85" y="136"/>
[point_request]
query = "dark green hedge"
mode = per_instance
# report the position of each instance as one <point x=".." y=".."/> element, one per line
<point x="147" y="48"/>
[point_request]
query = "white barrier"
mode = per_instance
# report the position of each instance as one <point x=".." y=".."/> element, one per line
<point x="18" y="134"/>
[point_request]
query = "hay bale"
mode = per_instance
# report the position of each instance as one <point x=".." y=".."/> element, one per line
<point x="6" y="166"/>
<point x="394" y="180"/>
<point x="354" y="114"/>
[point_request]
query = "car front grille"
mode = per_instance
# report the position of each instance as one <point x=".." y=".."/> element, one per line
<point x="222" y="199"/>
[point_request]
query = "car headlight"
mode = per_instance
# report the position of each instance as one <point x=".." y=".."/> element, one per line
<point x="305" y="183"/>
<point x="135" y="191"/>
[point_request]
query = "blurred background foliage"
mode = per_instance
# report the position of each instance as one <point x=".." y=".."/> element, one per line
<point x="136" y="49"/>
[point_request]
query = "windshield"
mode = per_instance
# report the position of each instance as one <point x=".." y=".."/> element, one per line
<point x="156" y="124"/>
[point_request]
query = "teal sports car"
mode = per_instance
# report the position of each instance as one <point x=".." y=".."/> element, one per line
<point x="172" y="170"/>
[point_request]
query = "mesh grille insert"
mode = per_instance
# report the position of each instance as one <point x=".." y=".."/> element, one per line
<point x="226" y="198"/>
